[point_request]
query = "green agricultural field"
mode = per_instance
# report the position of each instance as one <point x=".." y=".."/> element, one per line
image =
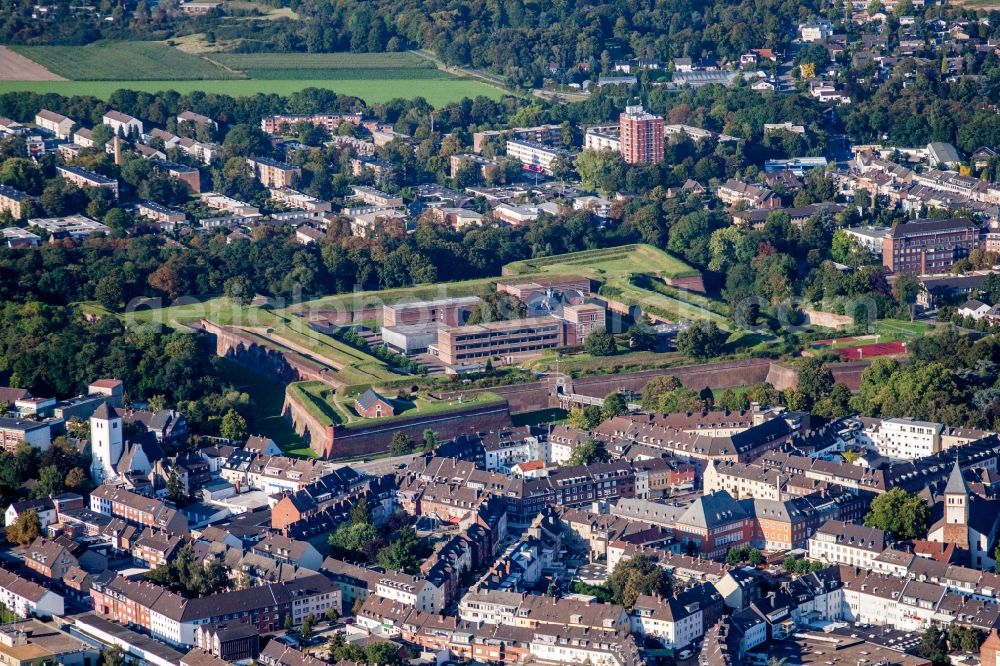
<point x="336" y="66"/>
<point x="117" y="61"/>
<point x="101" y="68"/>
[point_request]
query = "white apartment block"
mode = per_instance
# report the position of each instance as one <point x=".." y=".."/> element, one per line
<point x="535" y="156"/>
<point x="504" y="453"/>
<point x="295" y="199"/>
<point x="836" y="542"/>
<point x="606" y="137"/>
<point x="374" y="197"/>
<point x="122" y="123"/>
<point x="674" y="625"/>
<point x="902" y="438"/>
<point x="25" y="598"/>
<point x="421" y="594"/>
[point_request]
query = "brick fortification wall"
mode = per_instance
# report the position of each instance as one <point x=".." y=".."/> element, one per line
<point x="341" y="442"/>
<point x="542" y="395"/>
<point x="828" y="319"/>
<point x="691" y="283"/>
<point x="246" y="350"/>
<point x="306" y="425"/>
<point x="520" y="397"/>
<point x="695" y="377"/>
<point x="847" y="373"/>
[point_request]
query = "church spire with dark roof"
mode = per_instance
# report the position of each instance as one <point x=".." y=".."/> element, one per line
<point x="956" y="482"/>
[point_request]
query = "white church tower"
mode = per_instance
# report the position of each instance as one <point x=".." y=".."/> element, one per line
<point x="106" y="442"/>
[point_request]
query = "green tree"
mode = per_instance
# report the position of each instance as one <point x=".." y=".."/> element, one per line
<point x="637" y="576"/>
<point x="902" y="513"/>
<point x="933" y="646"/>
<point x="666" y="395"/>
<point x="701" y="341"/>
<point x="906" y="289"/>
<point x="640" y="338"/>
<point x="404" y="553"/>
<point x="175" y="489"/>
<point x="188" y="576"/>
<point x="731" y="401"/>
<point x="239" y="290"/>
<point x="614" y="405"/>
<point x="110" y="291"/>
<point x="306" y="629"/>
<point x="430" y="440"/>
<point x="233" y="426"/>
<point x="51" y="481"/>
<point x="814" y="380"/>
<point x="585" y="418"/>
<point x="382" y="654"/>
<point x="400" y="445"/>
<point x="590" y="452"/>
<point x="601" y="170"/>
<point x="22" y="174"/>
<point x="112" y="656"/>
<point x="601" y="343"/>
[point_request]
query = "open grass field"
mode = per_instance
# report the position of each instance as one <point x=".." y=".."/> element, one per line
<point x="897" y="329"/>
<point x="617" y="267"/>
<point x="553" y="415"/>
<point x="607" y="264"/>
<point x="117" y="61"/>
<point x="101" y="68"/>
<point x="375" y="299"/>
<point x="339" y="66"/>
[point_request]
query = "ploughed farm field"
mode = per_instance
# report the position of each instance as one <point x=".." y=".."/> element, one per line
<point x="101" y="68"/>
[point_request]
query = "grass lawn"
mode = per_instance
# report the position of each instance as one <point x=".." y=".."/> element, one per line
<point x="616" y="267"/>
<point x="318" y="399"/>
<point x="898" y="329"/>
<point x="286" y="333"/>
<point x="117" y="61"/>
<point x="438" y="93"/>
<point x="340" y="66"/>
<point x="668" y="307"/>
<point x="583" y="362"/>
<point x="607" y="264"/>
<point x="553" y="415"/>
<point x="268" y="397"/>
<point x="330" y="408"/>
<point x="376" y="299"/>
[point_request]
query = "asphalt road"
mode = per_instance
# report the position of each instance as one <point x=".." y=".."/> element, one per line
<point x="382" y="465"/>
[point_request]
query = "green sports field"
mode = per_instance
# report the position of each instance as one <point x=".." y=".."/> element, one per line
<point x="101" y="68"/>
